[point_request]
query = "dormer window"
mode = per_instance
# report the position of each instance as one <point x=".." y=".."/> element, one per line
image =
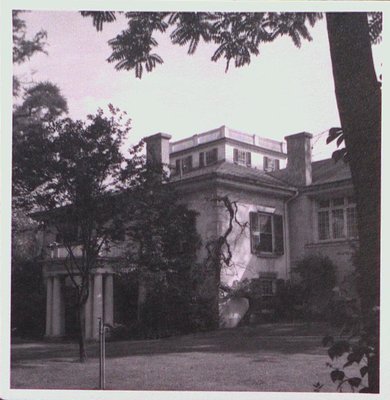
<point x="242" y="157"/>
<point x="211" y="156"/>
<point x="271" y="164"/>
<point x="208" y="157"/>
<point x="183" y="165"/>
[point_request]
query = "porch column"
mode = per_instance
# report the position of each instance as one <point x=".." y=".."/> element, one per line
<point x="49" y="300"/>
<point x="58" y="322"/>
<point x="97" y="304"/>
<point x="88" y="311"/>
<point x="108" y="299"/>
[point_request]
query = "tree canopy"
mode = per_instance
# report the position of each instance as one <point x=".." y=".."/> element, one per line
<point x="237" y="35"/>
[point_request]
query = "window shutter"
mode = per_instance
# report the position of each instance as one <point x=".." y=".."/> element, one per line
<point x="235" y="155"/>
<point x="178" y="171"/>
<point x="189" y="162"/>
<point x="277" y="164"/>
<point x="201" y="159"/>
<point x="255" y="232"/>
<point x="248" y="158"/>
<point x="278" y="234"/>
<point x="265" y="163"/>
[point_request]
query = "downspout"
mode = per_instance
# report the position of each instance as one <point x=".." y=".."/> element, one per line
<point x="287" y="232"/>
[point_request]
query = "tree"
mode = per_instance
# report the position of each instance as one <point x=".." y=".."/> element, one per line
<point x="82" y="171"/>
<point x="42" y="103"/>
<point x="35" y="105"/>
<point x="23" y="48"/>
<point x="238" y="37"/>
<point x="162" y="243"/>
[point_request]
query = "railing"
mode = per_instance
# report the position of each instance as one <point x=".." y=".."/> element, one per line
<point x="61" y="252"/>
<point x="225" y="132"/>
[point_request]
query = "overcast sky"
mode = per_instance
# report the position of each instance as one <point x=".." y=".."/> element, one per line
<point x="285" y="90"/>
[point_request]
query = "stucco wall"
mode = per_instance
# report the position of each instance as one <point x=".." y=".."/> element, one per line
<point x="246" y="264"/>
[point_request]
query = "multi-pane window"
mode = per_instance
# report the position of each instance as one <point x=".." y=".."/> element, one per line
<point x="271" y="164"/>
<point x="211" y="156"/>
<point x="208" y="157"/>
<point x="266" y="233"/>
<point x="337" y="218"/>
<point x="242" y="157"/>
<point x="183" y="165"/>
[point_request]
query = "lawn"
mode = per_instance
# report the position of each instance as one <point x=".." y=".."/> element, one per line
<point x="272" y="357"/>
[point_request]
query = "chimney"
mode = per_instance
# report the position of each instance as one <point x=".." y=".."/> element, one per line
<point x="157" y="148"/>
<point x="299" y="158"/>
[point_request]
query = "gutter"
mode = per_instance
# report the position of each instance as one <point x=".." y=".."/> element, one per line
<point x="287" y="231"/>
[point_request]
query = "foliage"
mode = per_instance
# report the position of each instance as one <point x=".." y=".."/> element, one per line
<point x="28" y="305"/>
<point x="288" y="300"/>
<point x="238" y="36"/>
<point x="23" y="48"/>
<point x="317" y="275"/>
<point x="162" y="245"/>
<point x="357" y="350"/>
<point x="43" y="103"/>
<point x="81" y="172"/>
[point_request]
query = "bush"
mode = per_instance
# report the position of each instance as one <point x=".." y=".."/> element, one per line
<point x="28" y="300"/>
<point x="288" y="301"/>
<point x="317" y="278"/>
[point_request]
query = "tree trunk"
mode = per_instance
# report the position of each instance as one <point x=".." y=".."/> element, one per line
<point x="358" y="97"/>
<point x="81" y="333"/>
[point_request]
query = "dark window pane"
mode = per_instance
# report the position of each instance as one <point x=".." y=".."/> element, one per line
<point x="266" y="242"/>
<point x="201" y="159"/>
<point x="248" y="158"/>
<point x="278" y="232"/>
<point x="323" y="225"/>
<point x="265" y="223"/>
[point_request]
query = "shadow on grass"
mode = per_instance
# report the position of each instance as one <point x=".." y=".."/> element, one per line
<point x="246" y="341"/>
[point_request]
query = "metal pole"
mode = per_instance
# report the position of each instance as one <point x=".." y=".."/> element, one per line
<point x="100" y="355"/>
<point x="103" y="356"/>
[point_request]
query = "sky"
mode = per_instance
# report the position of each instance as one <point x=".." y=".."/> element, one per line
<point x="284" y="90"/>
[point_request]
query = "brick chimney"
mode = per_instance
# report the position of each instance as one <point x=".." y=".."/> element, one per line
<point x="299" y="158"/>
<point x="157" y="148"/>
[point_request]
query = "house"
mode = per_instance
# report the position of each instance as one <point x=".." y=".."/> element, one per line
<point x="289" y="205"/>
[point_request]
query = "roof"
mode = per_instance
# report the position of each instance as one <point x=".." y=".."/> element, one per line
<point x="323" y="172"/>
<point x="328" y="171"/>
<point x="227" y="169"/>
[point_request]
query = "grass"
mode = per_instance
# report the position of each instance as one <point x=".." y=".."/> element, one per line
<point x="272" y="357"/>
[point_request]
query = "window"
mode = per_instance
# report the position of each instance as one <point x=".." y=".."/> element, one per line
<point x="271" y="164"/>
<point x="211" y="156"/>
<point x="183" y="165"/>
<point x="337" y="218"/>
<point x="201" y="159"/>
<point x="208" y="157"/>
<point x="266" y="233"/>
<point x="242" y="157"/>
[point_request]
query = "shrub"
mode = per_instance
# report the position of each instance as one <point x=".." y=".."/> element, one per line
<point x="28" y="305"/>
<point x="317" y="278"/>
<point x="288" y="301"/>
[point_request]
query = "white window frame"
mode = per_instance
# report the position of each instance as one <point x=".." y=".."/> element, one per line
<point x="347" y="204"/>
<point x="273" y="234"/>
